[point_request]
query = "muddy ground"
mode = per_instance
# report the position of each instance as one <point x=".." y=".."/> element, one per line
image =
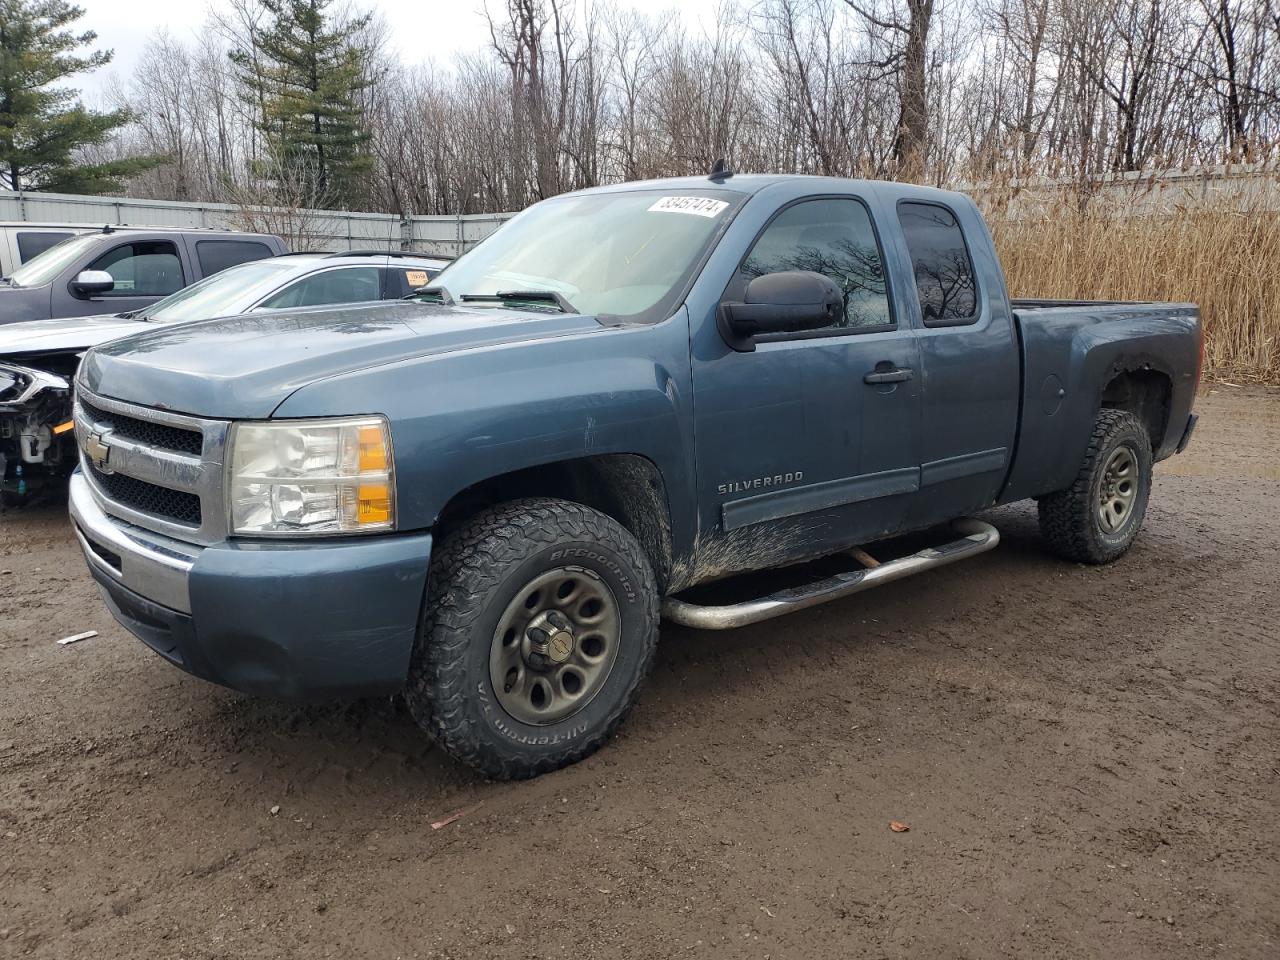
<point x="1087" y="759"/>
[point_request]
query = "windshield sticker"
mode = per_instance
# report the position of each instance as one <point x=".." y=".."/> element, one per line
<point x="698" y="206"/>
<point x="415" y="278"/>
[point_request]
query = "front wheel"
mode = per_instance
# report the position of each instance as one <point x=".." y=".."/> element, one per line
<point x="1096" y="519"/>
<point x="540" y="622"/>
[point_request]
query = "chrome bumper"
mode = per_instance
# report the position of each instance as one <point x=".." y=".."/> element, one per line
<point x="151" y="565"/>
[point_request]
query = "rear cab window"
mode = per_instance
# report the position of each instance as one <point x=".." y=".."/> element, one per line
<point x="216" y="255"/>
<point x="941" y="263"/>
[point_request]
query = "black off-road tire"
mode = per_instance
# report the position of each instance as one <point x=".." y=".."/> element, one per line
<point x="476" y="573"/>
<point x="1070" y="520"/>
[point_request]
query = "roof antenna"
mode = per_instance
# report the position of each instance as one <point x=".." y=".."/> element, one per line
<point x="719" y="172"/>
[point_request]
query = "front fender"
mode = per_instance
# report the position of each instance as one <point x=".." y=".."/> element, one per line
<point x="461" y="418"/>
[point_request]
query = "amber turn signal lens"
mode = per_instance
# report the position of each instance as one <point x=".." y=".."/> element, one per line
<point x="373" y="450"/>
<point x="373" y="503"/>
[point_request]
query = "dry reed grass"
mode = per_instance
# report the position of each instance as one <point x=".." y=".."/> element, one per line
<point x="1220" y="250"/>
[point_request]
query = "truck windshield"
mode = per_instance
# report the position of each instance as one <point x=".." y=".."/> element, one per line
<point x="625" y="254"/>
<point x="44" y="267"/>
<point x="230" y="291"/>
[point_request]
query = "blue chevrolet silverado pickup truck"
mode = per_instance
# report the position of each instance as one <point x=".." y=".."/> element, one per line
<point x="487" y="496"/>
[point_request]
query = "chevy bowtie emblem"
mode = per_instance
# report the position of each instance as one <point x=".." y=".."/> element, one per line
<point x="98" y="451"/>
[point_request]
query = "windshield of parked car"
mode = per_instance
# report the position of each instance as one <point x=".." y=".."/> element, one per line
<point x="229" y="291"/>
<point x="44" y="267"/>
<point x="624" y="254"/>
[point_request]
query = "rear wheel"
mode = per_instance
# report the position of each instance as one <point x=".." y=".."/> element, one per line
<point x="1096" y="519"/>
<point x="540" y="622"/>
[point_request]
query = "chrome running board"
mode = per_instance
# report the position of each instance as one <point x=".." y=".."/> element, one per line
<point x="975" y="537"/>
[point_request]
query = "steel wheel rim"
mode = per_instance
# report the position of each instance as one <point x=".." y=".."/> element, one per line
<point x="1118" y="491"/>
<point x="555" y="645"/>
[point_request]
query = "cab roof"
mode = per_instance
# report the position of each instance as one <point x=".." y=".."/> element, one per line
<point x="345" y="257"/>
<point x="753" y="183"/>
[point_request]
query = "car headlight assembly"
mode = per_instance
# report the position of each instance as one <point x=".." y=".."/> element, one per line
<point x="311" y="477"/>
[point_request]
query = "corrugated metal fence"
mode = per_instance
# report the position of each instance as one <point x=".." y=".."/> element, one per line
<point x="301" y="229"/>
<point x="1244" y="185"/>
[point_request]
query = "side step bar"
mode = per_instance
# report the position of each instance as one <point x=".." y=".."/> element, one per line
<point x="975" y="537"/>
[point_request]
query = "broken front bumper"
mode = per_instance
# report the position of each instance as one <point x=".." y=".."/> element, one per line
<point x="33" y="405"/>
<point x="280" y="619"/>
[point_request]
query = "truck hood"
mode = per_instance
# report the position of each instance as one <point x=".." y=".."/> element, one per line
<point x="69" y="335"/>
<point x="244" y="367"/>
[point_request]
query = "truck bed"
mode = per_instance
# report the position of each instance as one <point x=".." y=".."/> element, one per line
<point x="1071" y="350"/>
<point x="1038" y="303"/>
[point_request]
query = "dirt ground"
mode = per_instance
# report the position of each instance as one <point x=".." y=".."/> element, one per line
<point x="1088" y="760"/>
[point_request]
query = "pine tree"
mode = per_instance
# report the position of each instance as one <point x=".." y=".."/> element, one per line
<point x="43" y="125"/>
<point x="305" y="75"/>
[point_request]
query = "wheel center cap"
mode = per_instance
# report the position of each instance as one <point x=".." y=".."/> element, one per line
<point x="560" y="646"/>
<point x="551" y="637"/>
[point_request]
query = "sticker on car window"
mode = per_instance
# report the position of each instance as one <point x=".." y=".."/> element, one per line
<point x="698" y="206"/>
<point x="415" y="278"/>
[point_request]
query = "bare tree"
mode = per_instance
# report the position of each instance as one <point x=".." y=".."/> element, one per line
<point x="567" y="95"/>
<point x="905" y="24"/>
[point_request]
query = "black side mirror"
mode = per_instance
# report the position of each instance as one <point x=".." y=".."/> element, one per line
<point x="788" y="302"/>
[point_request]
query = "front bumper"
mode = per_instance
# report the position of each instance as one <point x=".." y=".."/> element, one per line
<point x="299" y="620"/>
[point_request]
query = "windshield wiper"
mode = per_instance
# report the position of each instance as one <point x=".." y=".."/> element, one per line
<point x="434" y="290"/>
<point x="534" y="296"/>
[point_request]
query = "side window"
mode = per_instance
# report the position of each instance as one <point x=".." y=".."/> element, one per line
<point x="835" y="238"/>
<point x="33" y="244"/>
<point x="418" y="277"/>
<point x="344" y="285"/>
<point x="215" y="255"/>
<point x="940" y="261"/>
<point x="403" y="280"/>
<point x="144" y="268"/>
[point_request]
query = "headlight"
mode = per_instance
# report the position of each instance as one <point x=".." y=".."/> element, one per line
<point x="312" y="477"/>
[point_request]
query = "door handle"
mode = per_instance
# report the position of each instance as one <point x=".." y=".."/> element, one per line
<point x="894" y="375"/>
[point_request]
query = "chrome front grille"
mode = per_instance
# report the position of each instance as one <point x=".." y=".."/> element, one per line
<point x="146" y="432"/>
<point x="176" y="505"/>
<point x="159" y="470"/>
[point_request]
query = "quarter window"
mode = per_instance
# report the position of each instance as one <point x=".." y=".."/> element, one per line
<point x="832" y="237"/>
<point x="144" y="268"/>
<point x="215" y="255"/>
<point x="940" y="261"/>
<point x="349" y="285"/>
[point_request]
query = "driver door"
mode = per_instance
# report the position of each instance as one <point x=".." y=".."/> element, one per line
<point x="798" y="454"/>
<point x="144" y="272"/>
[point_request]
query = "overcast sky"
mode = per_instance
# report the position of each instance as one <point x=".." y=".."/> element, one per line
<point x="420" y="30"/>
